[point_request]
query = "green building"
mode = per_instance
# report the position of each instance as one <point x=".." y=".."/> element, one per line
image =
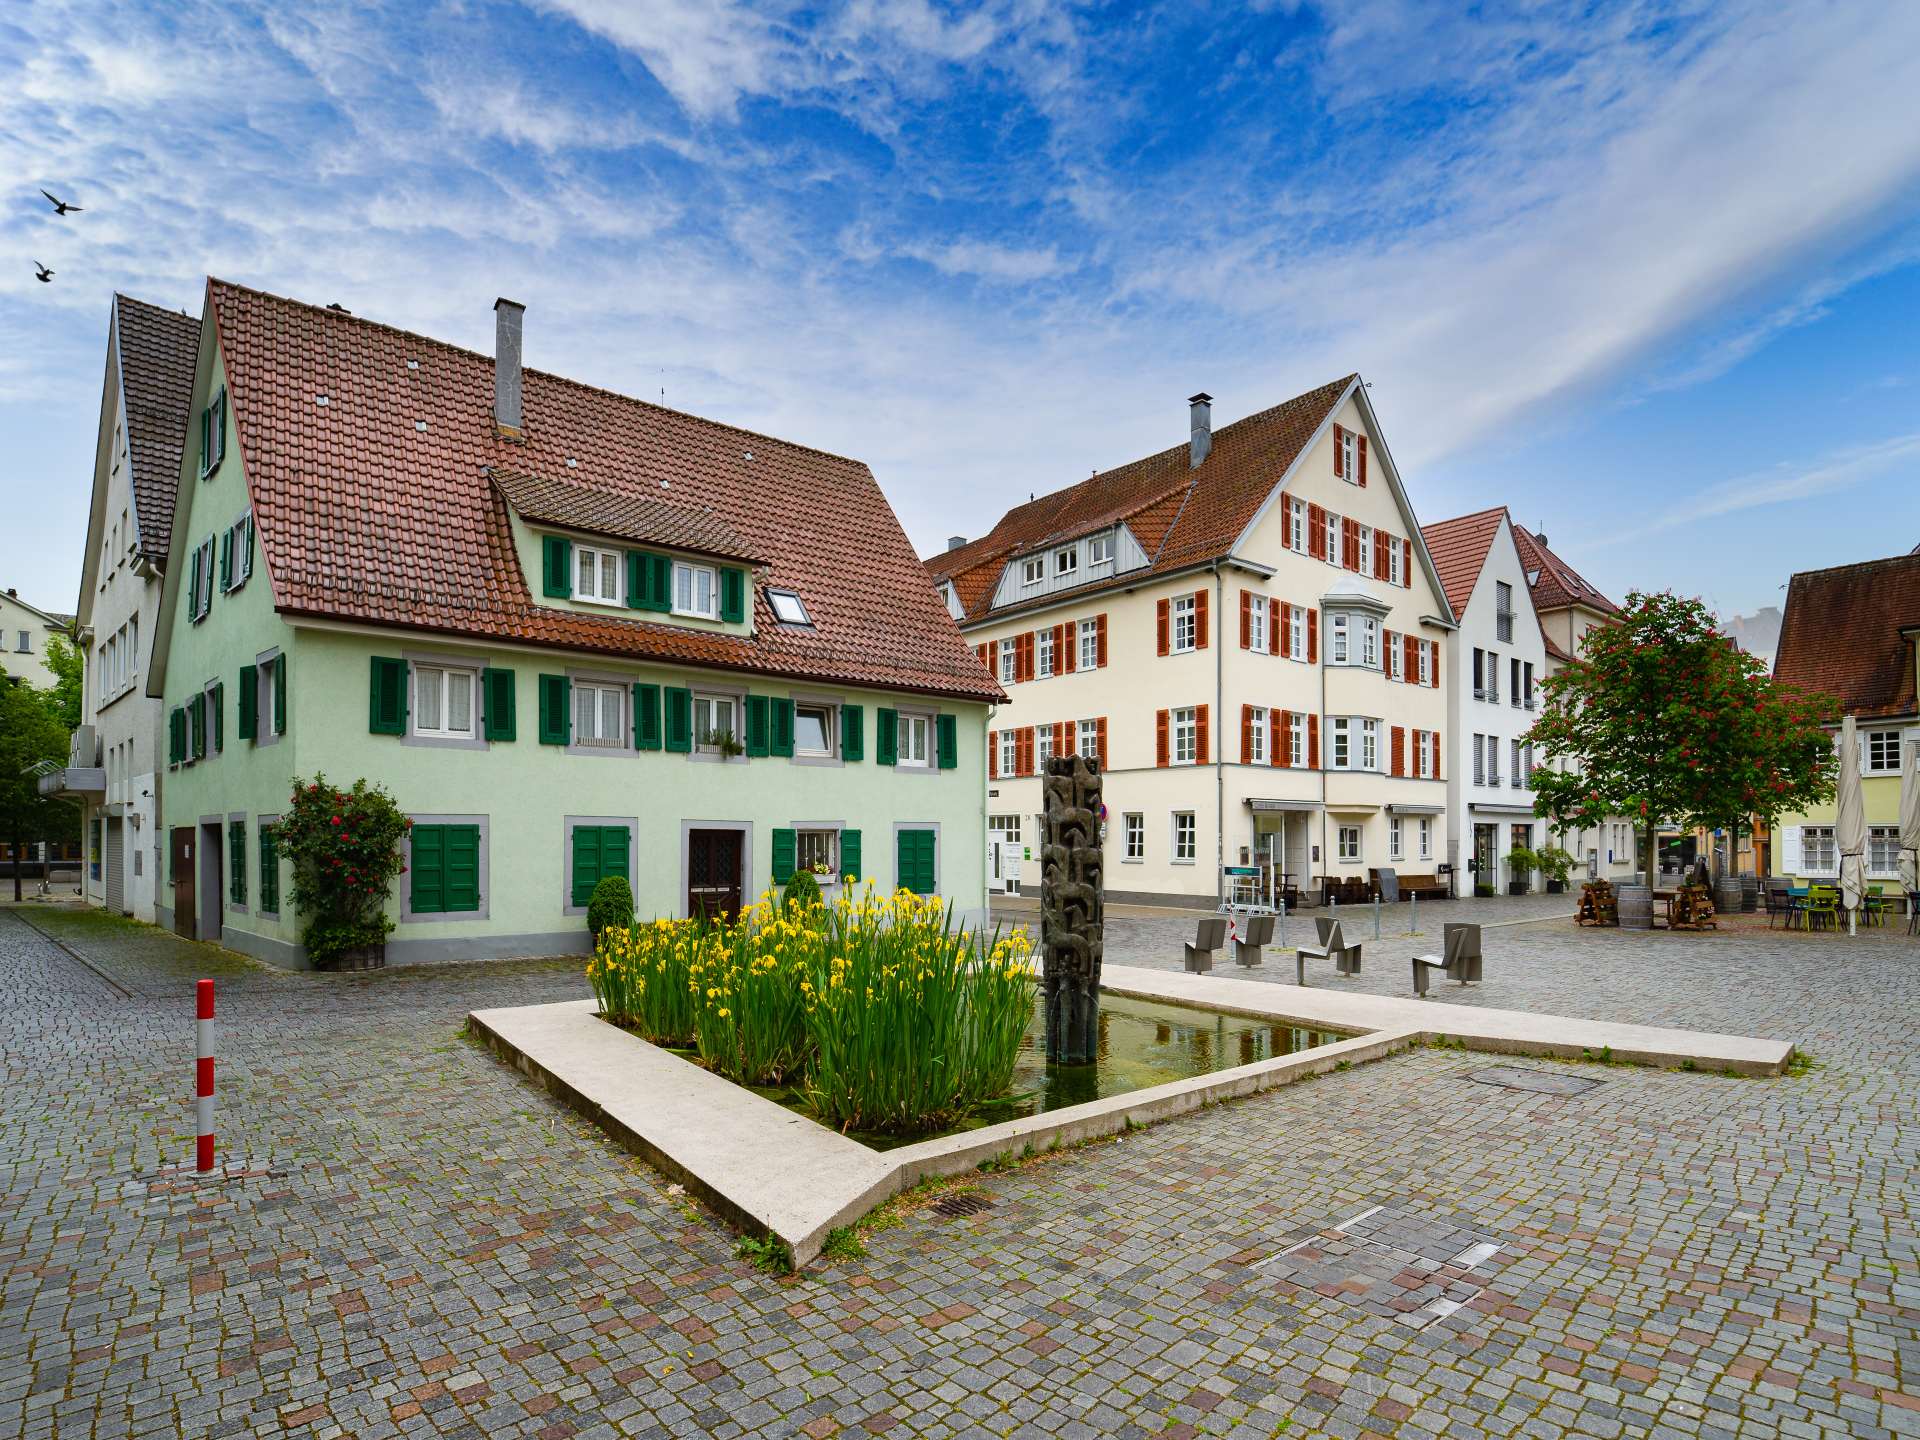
<point x="573" y="634"/>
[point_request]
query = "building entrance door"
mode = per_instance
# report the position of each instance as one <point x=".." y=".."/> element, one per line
<point x="182" y="875"/>
<point x="714" y="877"/>
<point x="1486" y="851"/>
<point x="115" y="860"/>
<point x="212" y="874"/>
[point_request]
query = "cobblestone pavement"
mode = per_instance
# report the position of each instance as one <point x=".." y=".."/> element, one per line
<point x="421" y="1244"/>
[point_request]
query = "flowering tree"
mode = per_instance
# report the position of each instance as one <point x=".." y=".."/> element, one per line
<point x="345" y="848"/>
<point x="1663" y="718"/>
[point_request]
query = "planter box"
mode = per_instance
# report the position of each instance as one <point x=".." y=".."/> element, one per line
<point x="1518" y="887"/>
<point x="1482" y="891"/>
<point x="360" y="957"/>
<point x="1556" y="887"/>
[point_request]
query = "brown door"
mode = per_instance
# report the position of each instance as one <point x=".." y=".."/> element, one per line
<point x="713" y="873"/>
<point x="183" y="880"/>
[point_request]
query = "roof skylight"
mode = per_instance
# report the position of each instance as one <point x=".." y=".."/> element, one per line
<point x="788" y="608"/>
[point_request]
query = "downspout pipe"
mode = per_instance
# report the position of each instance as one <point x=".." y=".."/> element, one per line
<point x="1220" y="737"/>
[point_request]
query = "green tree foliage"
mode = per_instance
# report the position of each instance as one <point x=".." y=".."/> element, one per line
<point x="69" y="667"/>
<point x="610" y="906"/>
<point x="803" y="893"/>
<point x="1663" y="718"/>
<point x="345" y="848"/>
<point x="31" y="730"/>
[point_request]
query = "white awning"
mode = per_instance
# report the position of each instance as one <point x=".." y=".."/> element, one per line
<point x="1398" y="809"/>
<point x="1513" y="810"/>
<point x="1268" y="807"/>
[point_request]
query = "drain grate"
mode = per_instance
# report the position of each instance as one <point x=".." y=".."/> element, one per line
<point x="1536" y="1082"/>
<point x="956" y="1207"/>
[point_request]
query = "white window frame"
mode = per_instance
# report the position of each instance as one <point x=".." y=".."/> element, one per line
<point x="829" y="718"/>
<point x="1297" y="740"/>
<point x="1366" y="549"/>
<point x="1887" y="744"/>
<point x="1396" y="564"/>
<point x="1339" y="743"/>
<point x="694" y="573"/>
<point x="1043" y="657"/>
<point x="1337" y="646"/>
<point x="1183" y="724"/>
<point x="1100" y="550"/>
<point x="1883" y="840"/>
<point x="1184" y="627"/>
<point x="1394" y="840"/>
<point x="1009" y="660"/>
<point x="1369" y="642"/>
<point x="1186" y="846"/>
<point x="1426" y="662"/>
<point x="1257" y="750"/>
<point x="600" y="689"/>
<point x="1066" y="561"/>
<point x="1133" y="830"/>
<point x="711" y="698"/>
<point x="1009" y="752"/>
<point x="789" y="609"/>
<point x="907" y="725"/>
<point x="1296" y="525"/>
<point x="1258" y="612"/>
<point x="1422" y="766"/>
<point x="1087" y="739"/>
<point x="1089" y="645"/>
<point x="1349" y="854"/>
<point x="1818" y="853"/>
<point x="442" y="678"/>
<point x="1033" y="571"/>
<point x="1296" y="632"/>
<point x="1369" y="745"/>
<point x="1394" y="660"/>
<point x="831" y="845"/>
<point x="1042" y="747"/>
<point x="1426" y="837"/>
<point x="605" y="562"/>
<point x="1332" y="522"/>
<point x="1350" y="456"/>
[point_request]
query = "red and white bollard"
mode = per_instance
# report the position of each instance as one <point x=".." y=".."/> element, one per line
<point x="203" y="1092"/>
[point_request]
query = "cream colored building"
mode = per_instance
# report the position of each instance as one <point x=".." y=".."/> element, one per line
<point x="24" y="632"/>
<point x="1247" y="630"/>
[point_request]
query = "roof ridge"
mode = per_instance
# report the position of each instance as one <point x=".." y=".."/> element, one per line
<point x="554" y="376"/>
<point x="1910" y="558"/>
<point x="1470" y="515"/>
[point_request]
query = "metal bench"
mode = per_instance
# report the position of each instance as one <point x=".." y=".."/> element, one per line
<point x="1210" y="935"/>
<point x="1246" y="948"/>
<point x="1333" y="945"/>
<point x="1460" y="962"/>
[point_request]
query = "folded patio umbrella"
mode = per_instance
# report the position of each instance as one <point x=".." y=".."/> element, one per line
<point x="1850" y="825"/>
<point x="1910" y="810"/>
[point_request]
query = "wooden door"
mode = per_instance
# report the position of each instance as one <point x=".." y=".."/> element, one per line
<point x="182" y="853"/>
<point x="714" y="875"/>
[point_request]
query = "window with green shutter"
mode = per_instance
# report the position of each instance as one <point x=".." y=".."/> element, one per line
<point x="914" y="864"/>
<point x="780" y="716"/>
<point x="886" y="736"/>
<point x="497" y="690"/>
<point x="247" y="727"/>
<point x="555" y="722"/>
<point x="226" y="560"/>
<point x="646" y="717"/>
<point x="757" y="725"/>
<point x="556" y="567"/>
<point x="269" y="870"/>
<point x="598" y="851"/>
<point x="783" y="855"/>
<point x="387" y="697"/>
<point x="679" y="702"/>
<point x="217" y="710"/>
<point x="853" y="736"/>
<point x="850" y="856"/>
<point x="176" y="735"/>
<point x="947" y="727"/>
<point x="733" y="595"/>
<point x="444" y="869"/>
<point x="636" y="580"/>
<point x="237" y="861"/>
<point x="197" y="727"/>
<point x="659" y="582"/>
<point x="280" y="694"/>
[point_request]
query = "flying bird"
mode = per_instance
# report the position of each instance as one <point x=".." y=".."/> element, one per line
<point x="42" y="273"/>
<point x="60" y="207"/>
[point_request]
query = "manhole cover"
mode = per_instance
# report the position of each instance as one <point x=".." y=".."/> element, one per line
<point x="971" y="1203"/>
<point x="1538" y="1082"/>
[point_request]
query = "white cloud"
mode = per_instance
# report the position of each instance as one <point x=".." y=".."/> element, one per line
<point x="1838" y="470"/>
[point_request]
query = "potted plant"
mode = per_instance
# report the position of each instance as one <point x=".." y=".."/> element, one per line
<point x="1556" y="864"/>
<point x="1521" y="863"/>
<point x="345" y="848"/>
<point x="726" y="742"/>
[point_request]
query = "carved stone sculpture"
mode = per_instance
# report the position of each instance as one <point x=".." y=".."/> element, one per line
<point x="1072" y="909"/>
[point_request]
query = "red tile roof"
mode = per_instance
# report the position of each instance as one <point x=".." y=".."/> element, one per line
<point x="377" y="506"/>
<point x="641" y="519"/>
<point x="1180" y="515"/>
<point x="1459" y="548"/>
<point x="159" y="351"/>
<point x="1558" y="584"/>
<point x="1841" y="634"/>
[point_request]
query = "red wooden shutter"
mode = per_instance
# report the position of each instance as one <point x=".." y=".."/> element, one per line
<point x="1406" y="564"/>
<point x="1199" y="619"/>
<point x="1162" y="623"/>
<point x="1316" y="532"/>
<point x="1433" y="736"/>
<point x="1399" y="750"/>
<point x="1410" y="658"/>
<point x="1282" y="747"/>
<point x="1160" y="737"/>
<point x="1360" y="444"/>
<point x="1433" y="667"/>
<point x="1062" y="650"/>
<point x="1276" y="637"/>
<point x="1350" y="544"/>
<point x="1100" y="739"/>
<point x="1313" y="742"/>
<point x="1100" y="638"/>
<point x="993" y="754"/>
<point x="1313" y="637"/>
<point x="1027" y="647"/>
<point x="1380" y="543"/>
<point x="1246" y="734"/>
<point x="1339" y="451"/>
<point x="1386" y="649"/>
<point x="1026" y="751"/>
<point x="1070" y="641"/>
<point x="1200" y="729"/>
<point x="1063" y="737"/>
<point x="981" y="651"/>
<point x="1246" y="619"/>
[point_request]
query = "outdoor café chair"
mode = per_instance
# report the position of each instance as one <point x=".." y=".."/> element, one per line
<point x="1209" y="936"/>
<point x="1333" y="945"/>
<point x="1913" y="912"/>
<point x="1460" y="962"/>
<point x="1821" y="908"/>
<point x="1246" y="948"/>
<point x="1781" y="903"/>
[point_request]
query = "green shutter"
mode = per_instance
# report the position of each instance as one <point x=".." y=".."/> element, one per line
<point x="497" y="688"/>
<point x="853" y="733"/>
<point x="237" y="861"/>
<point x="197" y="726"/>
<point x="461" y="867"/>
<point x="217" y="709"/>
<point x="636" y="580"/>
<point x="269" y="871"/>
<point x="555" y="720"/>
<point x="782" y="716"/>
<point x="646" y="717"/>
<point x="733" y="595"/>
<point x="246" y="549"/>
<point x="757" y="725"/>
<point x="206" y="440"/>
<point x="783" y="852"/>
<point x="598" y="851"/>
<point x="613" y="851"/>
<point x="219" y="427"/>
<point x="948" y="728"/>
<point x="176" y="735"/>
<point x="280" y="693"/>
<point x="886" y="737"/>
<point x="679" y="719"/>
<point x="248" y="725"/>
<point x="914" y="861"/>
<point x="850" y="856"/>
<point x="556" y="557"/>
<point x="428" y="869"/>
<point x="387" y="696"/>
<point x="660" y="585"/>
<point x="226" y="559"/>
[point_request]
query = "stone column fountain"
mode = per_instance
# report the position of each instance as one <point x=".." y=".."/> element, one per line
<point x="1072" y="909"/>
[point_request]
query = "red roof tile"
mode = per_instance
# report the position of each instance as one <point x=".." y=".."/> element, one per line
<point x="641" y="519"/>
<point x="1555" y="583"/>
<point x="1841" y="634"/>
<point x="1459" y="548"/>
<point x="378" y="506"/>
<point x="1180" y="515"/>
<point x="159" y="351"/>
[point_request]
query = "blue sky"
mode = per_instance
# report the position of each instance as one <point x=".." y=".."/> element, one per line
<point x="1644" y="273"/>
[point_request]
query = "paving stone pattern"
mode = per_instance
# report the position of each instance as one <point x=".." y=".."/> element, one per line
<point x="418" y="1243"/>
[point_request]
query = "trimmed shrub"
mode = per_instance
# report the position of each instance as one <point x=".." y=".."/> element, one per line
<point x="611" y="905"/>
<point x="803" y="892"/>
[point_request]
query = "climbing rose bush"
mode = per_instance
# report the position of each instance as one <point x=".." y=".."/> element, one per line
<point x="345" y="849"/>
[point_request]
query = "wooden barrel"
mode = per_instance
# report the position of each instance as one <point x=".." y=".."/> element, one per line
<point x="1750" y="893"/>
<point x="1636" y="906"/>
<point x="1730" y="898"/>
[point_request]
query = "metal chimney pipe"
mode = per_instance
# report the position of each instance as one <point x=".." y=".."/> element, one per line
<point x="1200" y="437"/>
<point x="507" y="413"/>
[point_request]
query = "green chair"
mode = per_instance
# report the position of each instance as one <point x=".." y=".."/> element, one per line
<point x="1873" y="908"/>
<point x="1822" y="908"/>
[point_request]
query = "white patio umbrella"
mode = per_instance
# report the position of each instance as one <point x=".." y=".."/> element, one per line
<point x="1910" y="810"/>
<point x="1850" y="826"/>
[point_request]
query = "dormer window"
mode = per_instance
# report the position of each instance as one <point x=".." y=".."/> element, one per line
<point x="1033" y="570"/>
<point x="1100" y="550"/>
<point x="1066" y="561"/>
<point x="789" y="609"/>
<point x="596" y="575"/>
<point x="696" y="591"/>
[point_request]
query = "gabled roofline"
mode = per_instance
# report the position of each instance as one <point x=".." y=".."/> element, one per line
<point x="52" y="619"/>
<point x="183" y="506"/>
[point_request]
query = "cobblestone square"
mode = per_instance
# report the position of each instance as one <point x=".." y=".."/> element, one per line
<point x="413" y="1241"/>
